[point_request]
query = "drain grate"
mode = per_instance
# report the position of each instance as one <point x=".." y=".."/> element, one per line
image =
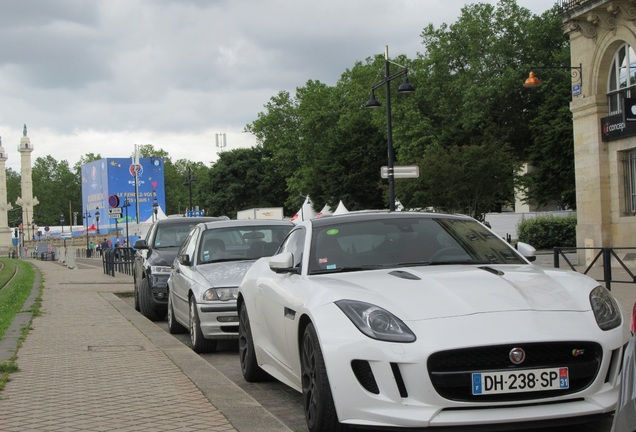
<point x="115" y="348"/>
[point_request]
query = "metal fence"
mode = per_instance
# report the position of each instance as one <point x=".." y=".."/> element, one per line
<point x="118" y="260"/>
<point x="605" y="257"/>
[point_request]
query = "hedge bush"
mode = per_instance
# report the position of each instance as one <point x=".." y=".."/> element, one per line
<point x="547" y="232"/>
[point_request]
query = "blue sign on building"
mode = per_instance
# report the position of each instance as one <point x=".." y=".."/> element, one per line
<point x="116" y="176"/>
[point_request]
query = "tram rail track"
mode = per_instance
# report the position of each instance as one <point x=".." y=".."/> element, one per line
<point x="3" y="282"/>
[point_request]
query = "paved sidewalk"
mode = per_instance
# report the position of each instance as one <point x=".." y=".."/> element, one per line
<point x="92" y="363"/>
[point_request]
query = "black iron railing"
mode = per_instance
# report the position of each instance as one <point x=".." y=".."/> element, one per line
<point x="605" y="255"/>
<point x="118" y="260"/>
<point x="565" y="6"/>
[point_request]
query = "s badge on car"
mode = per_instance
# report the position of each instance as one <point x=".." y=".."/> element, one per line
<point x="517" y="355"/>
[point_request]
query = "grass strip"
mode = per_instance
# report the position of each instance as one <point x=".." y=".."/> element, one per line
<point x="13" y="296"/>
<point x="12" y="299"/>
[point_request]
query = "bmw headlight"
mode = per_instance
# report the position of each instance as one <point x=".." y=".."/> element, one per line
<point x="220" y="294"/>
<point x="375" y="322"/>
<point x="160" y="270"/>
<point x="606" y="310"/>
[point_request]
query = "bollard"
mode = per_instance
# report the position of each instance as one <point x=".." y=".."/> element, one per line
<point x="70" y="262"/>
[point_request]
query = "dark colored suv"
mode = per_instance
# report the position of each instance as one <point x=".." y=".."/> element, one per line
<point x="153" y="262"/>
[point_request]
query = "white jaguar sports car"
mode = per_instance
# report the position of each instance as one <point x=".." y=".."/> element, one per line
<point x="414" y="320"/>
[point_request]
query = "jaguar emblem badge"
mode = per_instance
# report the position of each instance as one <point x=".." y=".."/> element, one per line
<point x="517" y="355"/>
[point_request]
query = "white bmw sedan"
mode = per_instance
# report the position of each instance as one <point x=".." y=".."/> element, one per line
<point x="207" y="271"/>
<point x="427" y="320"/>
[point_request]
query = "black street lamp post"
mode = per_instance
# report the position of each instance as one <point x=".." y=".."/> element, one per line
<point x="86" y="216"/>
<point x="62" y="221"/>
<point x="126" y="205"/>
<point x="155" y="205"/>
<point x="188" y="183"/>
<point x="404" y="88"/>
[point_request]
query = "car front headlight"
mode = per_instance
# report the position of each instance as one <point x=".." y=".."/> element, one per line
<point x="606" y="310"/>
<point x="220" y="294"/>
<point x="375" y="322"/>
<point x="160" y="270"/>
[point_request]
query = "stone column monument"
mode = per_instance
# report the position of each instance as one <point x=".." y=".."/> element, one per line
<point x="27" y="200"/>
<point x="5" y="231"/>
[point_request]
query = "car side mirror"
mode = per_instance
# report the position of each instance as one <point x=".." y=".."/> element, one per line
<point x="526" y="250"/>
<point x="282" y="263"/>
<point x="140" y="244"/>
<point x="185" y="260"/>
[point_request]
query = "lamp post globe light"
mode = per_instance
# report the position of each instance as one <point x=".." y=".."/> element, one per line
<point x="404" y="88"/>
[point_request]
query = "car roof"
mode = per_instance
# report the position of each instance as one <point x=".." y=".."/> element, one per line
<point x="183" y="220"/>
<point x="368" y="215"/>
<point x="247" y="223"/>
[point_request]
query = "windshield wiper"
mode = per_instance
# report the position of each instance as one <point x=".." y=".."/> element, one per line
<point x="449" y="262"/>
<point x="414" y="264"/>
<point x="224" y="260"/>
<point x="349" y="269"/>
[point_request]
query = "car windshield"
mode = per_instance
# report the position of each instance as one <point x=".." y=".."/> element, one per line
<point x="402" y="242"/>
<point x="171" y="235"/>
<point x="240" y="242"/>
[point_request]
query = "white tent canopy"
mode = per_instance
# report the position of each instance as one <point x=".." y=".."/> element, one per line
<point x="160" y="215"/>
<point x="326" y="211"/>
<point x="305" y="212"/>
<point x="341" y="209"/>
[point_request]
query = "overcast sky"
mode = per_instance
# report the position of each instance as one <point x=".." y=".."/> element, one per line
<point x="100" y="76"/>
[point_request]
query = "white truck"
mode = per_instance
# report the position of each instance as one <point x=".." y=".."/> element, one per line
<point x="271" y="213"/>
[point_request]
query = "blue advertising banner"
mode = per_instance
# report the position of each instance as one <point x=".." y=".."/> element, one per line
<point x="116" y="177"/>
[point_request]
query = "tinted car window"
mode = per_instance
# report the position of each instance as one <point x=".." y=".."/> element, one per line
<point x="190" y="243"/>
<point x="172" y="235"/>
<point x="240" y="242"/>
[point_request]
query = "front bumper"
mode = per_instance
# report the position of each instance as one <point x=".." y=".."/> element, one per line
<point x="404" y="394"/>
<point x="219" y="320"/>
<point x="158" y="285"/>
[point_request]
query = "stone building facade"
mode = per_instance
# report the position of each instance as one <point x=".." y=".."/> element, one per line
<point x="602" y="37"/>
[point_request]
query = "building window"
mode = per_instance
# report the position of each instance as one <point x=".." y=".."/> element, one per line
<point x="621" y="82"/>
<point x="629" y="177"/>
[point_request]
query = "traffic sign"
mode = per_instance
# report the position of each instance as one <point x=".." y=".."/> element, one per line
<point x="401" y="171"/>
<point x="113" y="201"/>
<point x="114" y="212"/>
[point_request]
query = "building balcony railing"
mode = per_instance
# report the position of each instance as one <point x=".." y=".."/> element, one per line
<point x="569" y="6"/>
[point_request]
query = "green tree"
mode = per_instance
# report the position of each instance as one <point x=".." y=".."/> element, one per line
<point x="57" y="189"/>
<point x="551" y="153"/>
<point x="13" y="192"/>
<point x="242" y="179"/>
<point x="489" y="168"/>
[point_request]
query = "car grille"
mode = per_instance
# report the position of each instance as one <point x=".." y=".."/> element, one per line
<point x="450" y="371"/>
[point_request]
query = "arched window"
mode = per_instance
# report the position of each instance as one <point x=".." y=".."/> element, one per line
<point x="621" y="82"/>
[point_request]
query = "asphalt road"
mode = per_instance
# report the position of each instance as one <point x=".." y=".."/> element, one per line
<point x="286" y="404"/>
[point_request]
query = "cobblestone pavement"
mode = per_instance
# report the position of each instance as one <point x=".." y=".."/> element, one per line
<point x="91" y="363"/>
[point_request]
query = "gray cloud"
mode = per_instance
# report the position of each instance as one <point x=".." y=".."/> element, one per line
<point x="81" y="71"/>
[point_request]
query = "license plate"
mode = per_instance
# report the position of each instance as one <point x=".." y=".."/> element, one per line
<point x="518" y="381"/>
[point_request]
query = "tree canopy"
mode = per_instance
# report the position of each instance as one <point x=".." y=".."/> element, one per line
<point x="469" y="127"/>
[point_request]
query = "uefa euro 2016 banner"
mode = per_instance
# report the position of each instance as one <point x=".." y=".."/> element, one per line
<point x="138" y="186"/>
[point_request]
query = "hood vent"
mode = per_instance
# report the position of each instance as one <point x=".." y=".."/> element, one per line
<point x="492" y="270"/>
<point x="404" y="275"/>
